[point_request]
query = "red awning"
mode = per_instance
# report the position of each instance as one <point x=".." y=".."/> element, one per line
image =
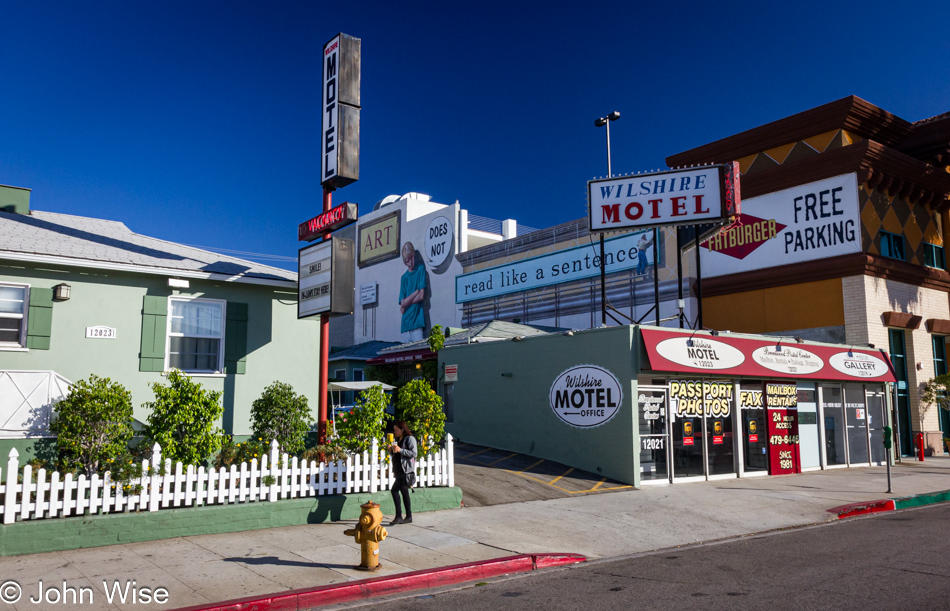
<point x="403" y="357"/>
<point x="781" y="357"/>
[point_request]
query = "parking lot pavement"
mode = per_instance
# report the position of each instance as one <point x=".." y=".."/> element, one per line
<point x="488" y="476"/>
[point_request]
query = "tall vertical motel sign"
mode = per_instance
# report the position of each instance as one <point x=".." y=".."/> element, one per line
<point x="339" y="166"/>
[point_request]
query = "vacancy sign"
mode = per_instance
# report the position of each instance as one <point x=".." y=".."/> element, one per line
<point x="679" y="197"/>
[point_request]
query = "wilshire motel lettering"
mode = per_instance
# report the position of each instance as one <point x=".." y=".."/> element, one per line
<point x="677" y="197"/>
<point x="339" y="143"/>
<point x="586" y="396"/>
<point x="331" y="54"/>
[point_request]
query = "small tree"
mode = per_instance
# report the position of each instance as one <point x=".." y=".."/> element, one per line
<point x="366" y="421"/>
<point x="436" y="338"/>
<point x="281" y="414"/>
<point x="421" y="408"/>
<point x="937" y="391"/>
<point x="93" y="424"/>
<point x="182" y="419"/>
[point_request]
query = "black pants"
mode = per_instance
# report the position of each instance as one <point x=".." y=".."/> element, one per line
<point x="400" y="486"/>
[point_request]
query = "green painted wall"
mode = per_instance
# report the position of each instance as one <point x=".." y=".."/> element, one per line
<point x="14" y="199"/>
<point x="279" y="347"/>
<point x="514" y="413"/>
<point x="57" y="534"/>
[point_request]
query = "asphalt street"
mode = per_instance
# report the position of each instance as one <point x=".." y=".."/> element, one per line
<point x="896" y="560"/>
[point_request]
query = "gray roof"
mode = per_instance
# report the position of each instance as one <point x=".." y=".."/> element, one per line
<point x="89" y="242"/>
<point x="493" y="330"/>
<point x="361" y="352"/>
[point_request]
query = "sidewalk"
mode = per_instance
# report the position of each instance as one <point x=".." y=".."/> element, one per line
<point x="213" y="568"/>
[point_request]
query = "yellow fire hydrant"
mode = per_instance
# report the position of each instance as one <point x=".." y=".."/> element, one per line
<point x="368" y="533"/>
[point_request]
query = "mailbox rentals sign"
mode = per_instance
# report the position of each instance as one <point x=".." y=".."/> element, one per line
<point x="586" y="396"/>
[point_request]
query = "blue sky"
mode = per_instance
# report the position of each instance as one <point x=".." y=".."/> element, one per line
<point x="198" y="122"/>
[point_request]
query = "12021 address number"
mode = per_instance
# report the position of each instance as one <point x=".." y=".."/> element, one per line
<point x="652" y="443"/>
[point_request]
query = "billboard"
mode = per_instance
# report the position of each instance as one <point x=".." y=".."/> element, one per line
<point x="325" y="278"/>
<point x="633" y="250"/>
<point x="678" y="197"/>
<point x="340" y="134"/>
<point x="813" y="221"/>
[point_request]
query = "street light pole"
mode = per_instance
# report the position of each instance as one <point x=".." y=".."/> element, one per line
<point x="601" y="122"/>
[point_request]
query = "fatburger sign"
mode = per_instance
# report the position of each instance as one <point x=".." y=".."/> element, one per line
<point x="586" y="396"/>
<point x="662" y="199"/>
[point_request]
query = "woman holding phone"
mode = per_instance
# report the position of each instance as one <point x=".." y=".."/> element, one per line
<point x="404" y="452"/>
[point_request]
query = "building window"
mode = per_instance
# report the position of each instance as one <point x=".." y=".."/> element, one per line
<point x="196" y="335"/>
<point x="339" y="375"/>
<point x="14" y="305"/>
<point x="357" y="375"/>
<point x="933" y="256"/>
<point x="940" y="354"/>
<point x="892" y="245"/>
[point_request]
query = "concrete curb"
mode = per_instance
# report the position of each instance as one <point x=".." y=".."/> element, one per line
<point x="902" y="502"/>
<point x="306" y="598"/>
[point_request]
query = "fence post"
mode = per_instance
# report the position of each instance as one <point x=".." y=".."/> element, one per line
<point x="154" y="491"/>
<point x="450" y="451"/>
<point x="274" y="471"/>
<point x="9" y="505"/>
<point x="374" y="466"/>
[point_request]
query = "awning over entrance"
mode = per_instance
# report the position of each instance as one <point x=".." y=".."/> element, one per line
<point x="781" y="357"/>
<point x="403" y="357"/>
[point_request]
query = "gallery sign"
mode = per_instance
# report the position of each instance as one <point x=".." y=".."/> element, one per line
<point x="621" y="253"/>
<point x="804" y="223"/>
<point x="763" y="358"/>
<point x="586" y="396"/>
<point x="662" y="199"/>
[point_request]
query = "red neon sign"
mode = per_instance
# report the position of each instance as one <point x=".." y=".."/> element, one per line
<point x="331" y="220"/>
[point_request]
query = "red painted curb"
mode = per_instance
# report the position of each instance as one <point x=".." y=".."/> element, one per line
<point x="306" y="598"/>
<point x="857" y="509"/>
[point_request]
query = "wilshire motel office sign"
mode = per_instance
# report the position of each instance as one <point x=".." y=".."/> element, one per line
<point x="586" y="396"/>
<point x="620" y="253"/>
<point x="678" y="197"/>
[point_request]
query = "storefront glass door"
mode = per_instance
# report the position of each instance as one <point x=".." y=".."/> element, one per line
<point x="836" y="453"/>
<point x="654" y="437"/>
<point x="687" y="447"/>
<point x="876" y="423"/>
<point x="720" y="444"/>
<point x="857" y="423"/>
<point x="755" y="439"/>
<point x="809" y="446"/>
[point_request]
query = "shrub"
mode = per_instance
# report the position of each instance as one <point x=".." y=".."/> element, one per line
<point x="235" y="453"/>
<point x="357" y="428"/>
<point x="93" y="424"/>
<point x="281" y="414"/>
<point x="421" y="408"/>
<point x="182" y="419"/>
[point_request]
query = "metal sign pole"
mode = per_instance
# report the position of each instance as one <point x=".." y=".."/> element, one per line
<point x="656" y="273"/>
<point x="324" y="346"/>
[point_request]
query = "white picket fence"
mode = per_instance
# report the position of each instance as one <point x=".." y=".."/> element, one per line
<point x="54" y="496"/>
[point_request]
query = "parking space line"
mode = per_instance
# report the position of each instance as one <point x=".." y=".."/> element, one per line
<point x="598" y="484"/>
<point x="530" y="467"/>
<point x="501" y="459"/>
<point x="475" y="453"/>
<point x="556" y="479"/>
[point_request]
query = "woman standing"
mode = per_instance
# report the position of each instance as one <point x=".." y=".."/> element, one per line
<point x="404" y="465"/>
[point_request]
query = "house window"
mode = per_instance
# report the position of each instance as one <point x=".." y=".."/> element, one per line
<point x="933" y="256"/>
<point x="357" y="375"/>
<point x="892" y="245"/>
<point x="340" y="375"/>
<point x="14" y="303"/>
<point x="196" y="335"/>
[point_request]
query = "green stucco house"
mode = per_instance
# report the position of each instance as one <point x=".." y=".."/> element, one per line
<point x="81" y="296"/>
